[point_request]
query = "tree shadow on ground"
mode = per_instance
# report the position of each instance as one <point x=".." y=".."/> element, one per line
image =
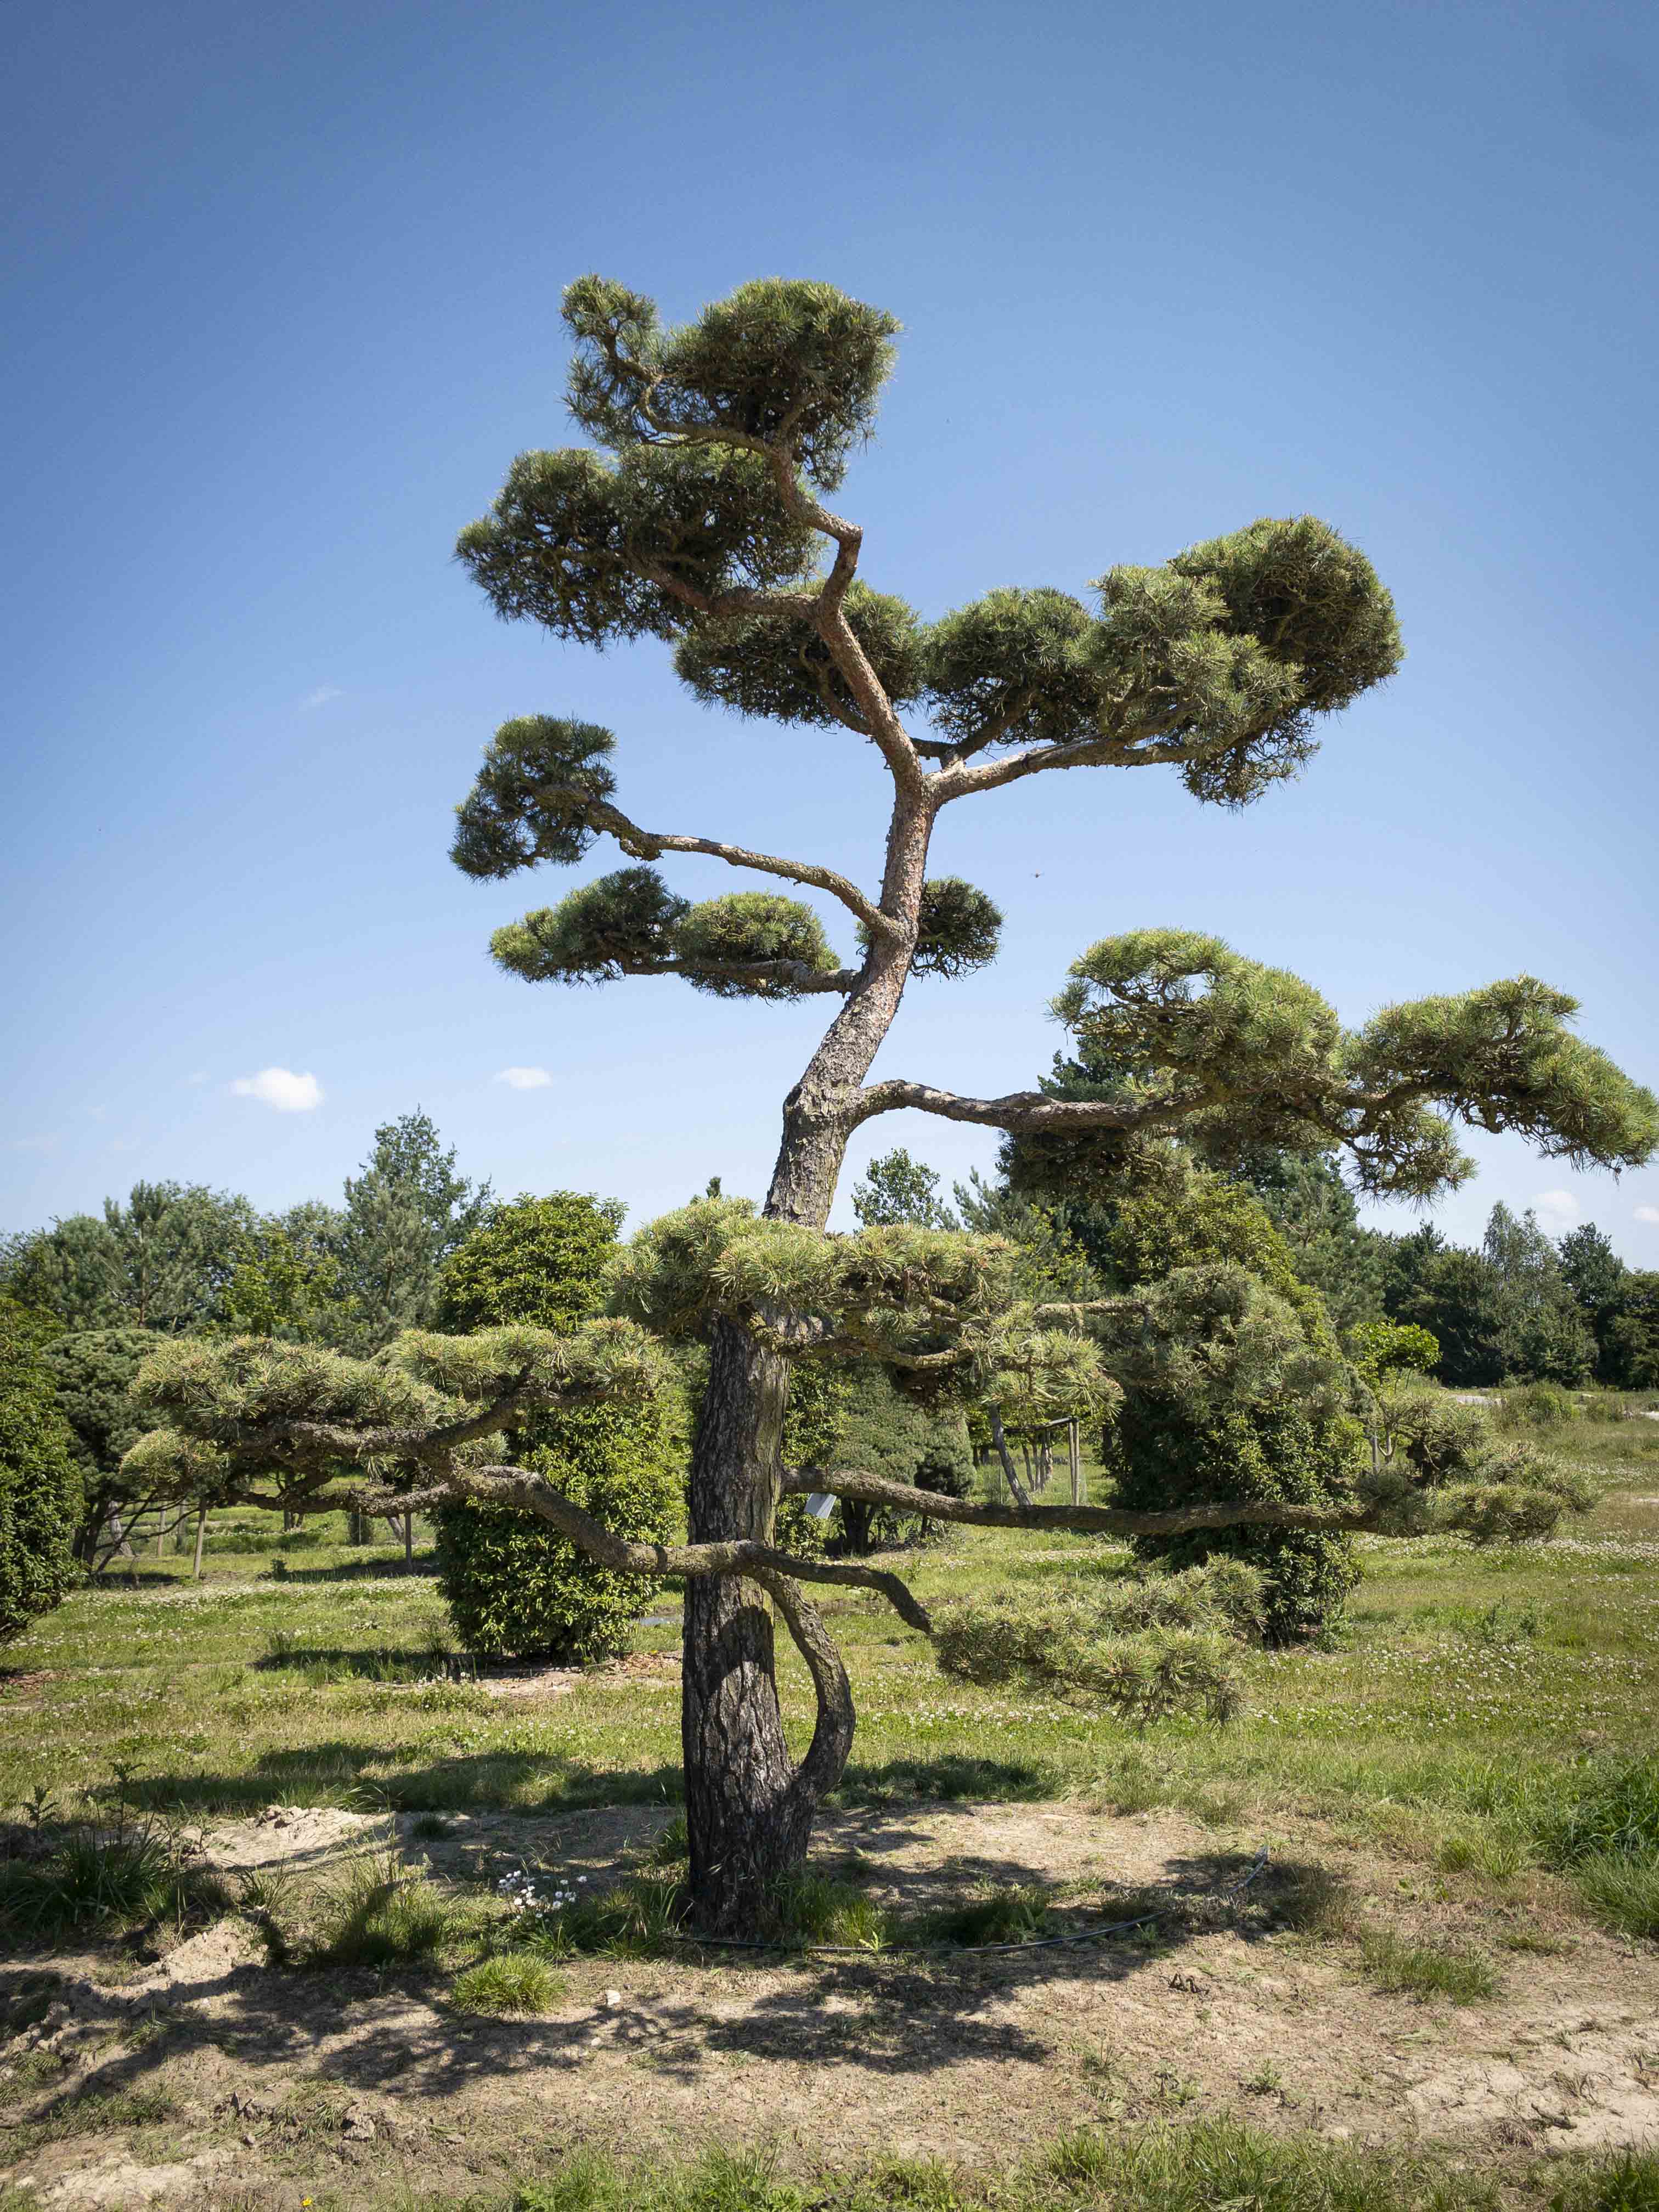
<point x="391" y="2033"/>
<point x="358" y="1778"/>
<point x="947" y="1779"/>
<point x="355" y="1570"/>
<point x="361" y="1777"/>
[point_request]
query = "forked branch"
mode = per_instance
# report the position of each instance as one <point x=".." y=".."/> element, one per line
<point x="647" y="844"/>
<point x="534" y="1493"/>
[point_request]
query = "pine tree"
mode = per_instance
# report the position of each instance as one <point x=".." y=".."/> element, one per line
<point x="404" y="1214"/>
<point x="698" y="517"/>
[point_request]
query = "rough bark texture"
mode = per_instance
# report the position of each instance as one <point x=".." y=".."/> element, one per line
<point x="749" y="1808"/>
<point x="747" y="1824"/>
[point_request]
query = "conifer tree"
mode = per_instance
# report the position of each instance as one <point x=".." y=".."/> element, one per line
<point x="698" y="516"/>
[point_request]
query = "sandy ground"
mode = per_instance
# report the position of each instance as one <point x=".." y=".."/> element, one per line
<point x="289" y="2082"/>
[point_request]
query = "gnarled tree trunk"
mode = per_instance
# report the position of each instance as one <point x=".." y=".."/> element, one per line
<point x="749" y="1807"/>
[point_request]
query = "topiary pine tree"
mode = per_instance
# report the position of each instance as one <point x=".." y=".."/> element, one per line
<point x="698" y="516"/>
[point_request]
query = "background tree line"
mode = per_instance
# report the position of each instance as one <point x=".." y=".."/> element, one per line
<point x="1522" y="1307"/>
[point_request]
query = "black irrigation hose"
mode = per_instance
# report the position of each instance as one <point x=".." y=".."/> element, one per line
<point x="957" y="1950"/>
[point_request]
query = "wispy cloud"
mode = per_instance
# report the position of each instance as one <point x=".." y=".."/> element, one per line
<point x="523" y="1079"/>
<point x="281" y="1088"/>
<point x="196" y="1075"/>
<point x="319" y="698"/>
<point x="1650" y="1214"/>
<point x="35" y="1144"/>
<point x="1557" y="1211"/>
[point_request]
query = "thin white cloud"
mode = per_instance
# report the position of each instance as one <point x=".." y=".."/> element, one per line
<point x="196" y="1075"/>
<point x="1650" y="1214"/>
<point x="523" y="1079"/>
<point x="319" y="698"/>
<point x="1557" y="1211"/>
<point x="35" y="1144"/>
<point x="281" y="1088"/>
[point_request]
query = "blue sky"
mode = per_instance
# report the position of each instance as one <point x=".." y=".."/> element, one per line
<point x="282" y="305"/>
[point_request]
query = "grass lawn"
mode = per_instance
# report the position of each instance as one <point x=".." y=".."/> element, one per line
<point x="1461" y="1687"/>
<point x="1453" y="1748"/>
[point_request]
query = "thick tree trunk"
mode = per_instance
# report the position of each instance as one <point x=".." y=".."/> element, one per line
<point x="748" y="1807"/>
<point x="746" y="1819"/>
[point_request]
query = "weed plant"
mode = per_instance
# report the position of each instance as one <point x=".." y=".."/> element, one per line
<point x="83" y="1878"/>
<point x="512" y="1983"/>
<point x="1427" y="1970"/>
<point x="382" y="1914"/>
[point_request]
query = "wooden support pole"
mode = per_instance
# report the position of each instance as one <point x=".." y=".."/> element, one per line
<point x="201" y="1538"/>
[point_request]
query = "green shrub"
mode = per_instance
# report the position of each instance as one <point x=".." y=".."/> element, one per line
<point x="1142" y="1651"/>
<point x="877" y="1428"/>
<point x="518" y="1589"/>
<point x="39" y="1482"/>
<point x="515" y="1587"/>
<point x="1168" y="1450"/>
<point x="540" y="1259"/>
<point x="1537" y="1405"/>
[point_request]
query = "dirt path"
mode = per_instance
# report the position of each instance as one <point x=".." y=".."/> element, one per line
<point x="282" y="2079"/>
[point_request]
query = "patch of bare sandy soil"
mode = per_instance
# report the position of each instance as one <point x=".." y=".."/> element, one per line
<point x="269" y="2085"/>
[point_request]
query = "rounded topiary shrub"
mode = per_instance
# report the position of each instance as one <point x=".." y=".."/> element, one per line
<point x="1166" y="1452"/>
<point x="516" y="1588"/>
<point x="519" y="1589"/>
<point x="39" y="1482"/>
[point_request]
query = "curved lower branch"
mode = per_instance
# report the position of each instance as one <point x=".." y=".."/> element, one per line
<point x="1088" y="1520"/>
<point x="534" y="1493"/>
<point x="832" y="1734"/>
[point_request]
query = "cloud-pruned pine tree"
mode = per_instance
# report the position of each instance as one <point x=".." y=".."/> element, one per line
<point x="698" y="516"/>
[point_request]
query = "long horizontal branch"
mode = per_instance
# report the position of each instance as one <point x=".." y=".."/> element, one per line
<point x="961" y="781"/>
<point x="1079" y="1310"/>
<point x="800" y="979"/>
<point x="1087" y="1520"/>
<point x="1026" y="1112"/>
<point x="534" y="1493"/>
